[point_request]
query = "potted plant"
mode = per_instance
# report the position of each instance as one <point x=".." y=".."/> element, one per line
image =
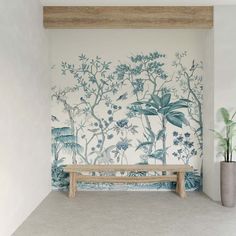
<point x="228" y="166"/>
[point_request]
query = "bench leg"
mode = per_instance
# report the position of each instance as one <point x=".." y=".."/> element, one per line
<point x="180" y="186"/>
<point x="72" y="187"/>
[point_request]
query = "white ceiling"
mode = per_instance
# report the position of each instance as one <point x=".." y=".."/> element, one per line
<point x="134" y="2"/>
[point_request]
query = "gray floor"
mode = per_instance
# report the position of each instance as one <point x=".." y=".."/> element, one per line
<point x="129" y="213"/>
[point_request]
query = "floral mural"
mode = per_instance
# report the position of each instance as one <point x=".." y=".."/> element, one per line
<point x="144" y="111"/>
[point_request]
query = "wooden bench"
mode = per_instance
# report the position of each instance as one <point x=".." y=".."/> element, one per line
<point x="173" y="173"/>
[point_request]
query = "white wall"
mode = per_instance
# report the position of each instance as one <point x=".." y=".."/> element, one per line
<point x="24" y="102"/>
<point x="223" y="38"/>
<point x="208" y="117"/>
<point x="25" y="109"/>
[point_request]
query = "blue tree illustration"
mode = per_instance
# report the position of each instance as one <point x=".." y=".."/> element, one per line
<point x="185" y="150"/>
<point x="167" y="112"/>
<point x="96" y="85"/>
<point x="64" y="140"/>
<point x="185" y="147"/>
<point x="191" y="88"/>
<point x="147" y="77"/>
<point x="72" y="111"/>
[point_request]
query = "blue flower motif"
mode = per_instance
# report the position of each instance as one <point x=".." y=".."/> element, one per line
<point x="131" y="114"/>
<point x="194" y="152"/>
<point x="190" y="144"/>
<point x="174" y="154"/>
<point x="122" y="123"/>
<point x="123" y="144"/>
<point x="186" y="143"/>
<point x="110" y="136"/>
<point x="175" y="133"/>
<point x="187" y="135"/>
<point x="138" y="86"/>
<point x="175" y="142"/>
<point x="180" y="138"/>
<point x="92" y="79"/>
<point x="179" y="151"/>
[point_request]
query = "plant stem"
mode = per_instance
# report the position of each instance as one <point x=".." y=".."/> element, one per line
<point x="164" y="142"/>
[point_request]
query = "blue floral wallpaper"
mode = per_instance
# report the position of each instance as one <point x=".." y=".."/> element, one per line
<point x="145" y="110"/>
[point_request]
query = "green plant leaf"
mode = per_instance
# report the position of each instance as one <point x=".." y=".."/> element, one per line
<point x="177" y="105"/>
<point x="160" y="134"/>
<point x="158" y="154"/>
<point x="148" y="112"/>
<point x="56" y="132"/>
<point x="164" y="110"/>
<point x="225" y="114"/>
<point x="165" y="99"/>
<point x="143" y="144"/>
<point x="185" y="100"/>
<point x="217" y="134"/>
<point x="177" y="119"/>
<point x="156" y="100"/>
<point x="66" y="139"/>
<point x="174" y="120"/>
<point x="151" y="134"/>
<point x="138" y="103"/>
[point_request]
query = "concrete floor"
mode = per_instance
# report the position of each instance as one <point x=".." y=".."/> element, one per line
<point x="129" y="213"/>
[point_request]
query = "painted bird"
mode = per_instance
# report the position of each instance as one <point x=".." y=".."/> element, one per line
<point x="104" y="82"/>
<point x="193" y="66"/>
<point x="54" y="118"/>
<point x="93" y="130"/>
<point x="122" y="97"/>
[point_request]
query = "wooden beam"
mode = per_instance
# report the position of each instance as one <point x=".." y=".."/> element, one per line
<point x="170" y="17"/>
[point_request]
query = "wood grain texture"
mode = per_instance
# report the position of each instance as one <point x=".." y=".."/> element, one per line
<point x="125" y="179"/>
<point x="115" y="168"/>
<point x="180" y="186"/>
<point x="175" y="17"/>
<point x="72" y="189"/>
<point x="76" y="170"/>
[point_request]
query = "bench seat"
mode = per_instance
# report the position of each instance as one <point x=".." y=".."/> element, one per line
<point x="115" y="168"/>
<point x="173" y="173"/>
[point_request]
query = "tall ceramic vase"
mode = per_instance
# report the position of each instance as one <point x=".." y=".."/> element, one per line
<point x="228" y="183"/>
